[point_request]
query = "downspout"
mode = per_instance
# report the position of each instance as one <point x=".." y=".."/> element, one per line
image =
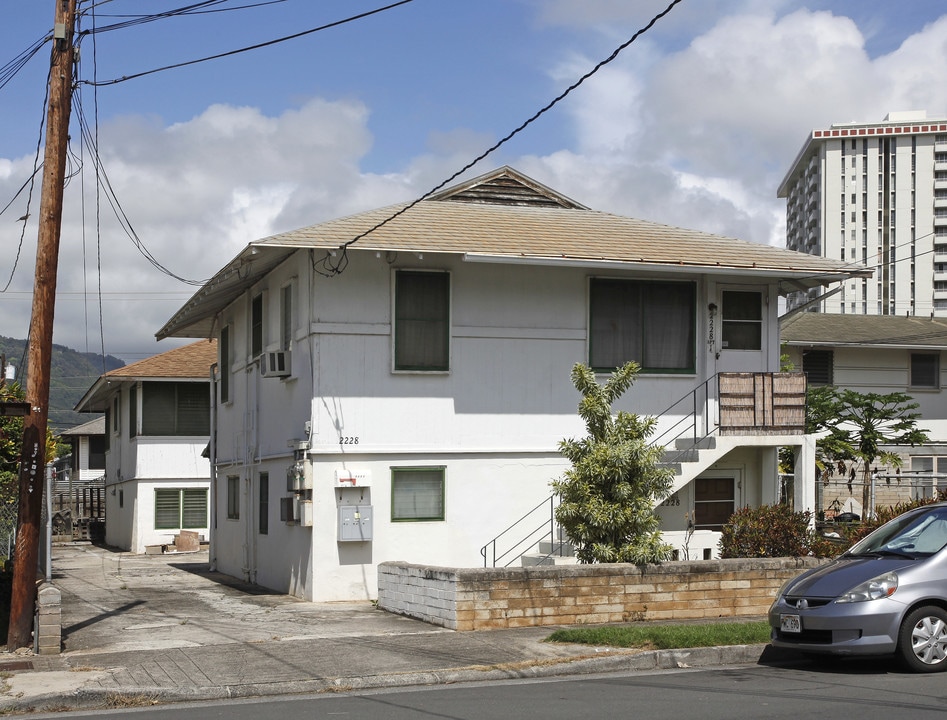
<point x="212" y="456"/>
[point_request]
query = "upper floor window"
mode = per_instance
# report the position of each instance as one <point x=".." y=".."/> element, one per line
<point x="286" y="317"/>
<point x="422" y="320"/>
<point x="742" y="320"/>
<point x="818" y="366"/>
<point x="925" y="370"/>
<point x="652" y="323"/>
<point x="256" y="325"/>
<point x="133" y="411"/>
<point x="175" y="408"/>
<point x="223" y="347"/>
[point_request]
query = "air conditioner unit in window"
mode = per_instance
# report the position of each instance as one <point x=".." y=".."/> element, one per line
<point x="276" y="364"/>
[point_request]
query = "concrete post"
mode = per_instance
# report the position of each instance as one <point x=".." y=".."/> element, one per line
<point x="47" y="638"/>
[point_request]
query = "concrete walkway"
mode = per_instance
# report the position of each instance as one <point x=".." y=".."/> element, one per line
<point x="141" y="629"/>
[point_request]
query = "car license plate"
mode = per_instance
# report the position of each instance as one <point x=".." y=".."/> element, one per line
<point x="790" y="623"/>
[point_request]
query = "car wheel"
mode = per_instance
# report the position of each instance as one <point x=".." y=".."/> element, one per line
<point x="922" y="640"/>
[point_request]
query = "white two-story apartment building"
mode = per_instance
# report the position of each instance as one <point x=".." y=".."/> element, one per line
<point x="394" y="385"/>
<point x="157" y="426"/>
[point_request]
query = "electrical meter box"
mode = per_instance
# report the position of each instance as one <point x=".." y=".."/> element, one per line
<point x="355" y="523"/>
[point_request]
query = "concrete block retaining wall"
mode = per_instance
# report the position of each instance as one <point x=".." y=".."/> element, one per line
<point x="493" y="598"/>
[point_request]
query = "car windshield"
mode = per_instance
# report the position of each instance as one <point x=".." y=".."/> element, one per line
<point x="916" y="534"/>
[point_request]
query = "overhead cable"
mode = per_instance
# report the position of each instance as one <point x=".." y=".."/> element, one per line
<point x="360" y="16"/>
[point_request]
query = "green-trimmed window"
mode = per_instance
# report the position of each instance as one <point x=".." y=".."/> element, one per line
<point x="652" y="323"/>
<point x="422" y="320"/>
<point x="417" y="494"/>
<point x="180" y="508"/>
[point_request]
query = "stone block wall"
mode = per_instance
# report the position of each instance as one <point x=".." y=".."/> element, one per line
<point x="493" y="598"/>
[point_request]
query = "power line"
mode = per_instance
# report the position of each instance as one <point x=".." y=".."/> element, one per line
<point x="13" y="67"/>
<point x="329" y="266"/>
<point x="258" y="46"/>
<point x="119" y="212"/>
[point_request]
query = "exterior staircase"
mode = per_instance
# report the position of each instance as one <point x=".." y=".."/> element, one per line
<point x="722" y="413"/>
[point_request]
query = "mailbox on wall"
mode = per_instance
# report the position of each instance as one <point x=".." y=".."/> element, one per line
<point x="355" y="523"/>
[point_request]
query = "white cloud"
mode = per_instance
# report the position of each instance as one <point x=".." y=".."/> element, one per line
<point x="701" y="137"/>
<point x="693" y="125"/>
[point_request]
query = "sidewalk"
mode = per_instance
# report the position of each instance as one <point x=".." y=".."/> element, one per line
<point x="140" y="629"/>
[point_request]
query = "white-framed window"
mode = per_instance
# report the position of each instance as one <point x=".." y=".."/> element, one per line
<point x="819" y="365"/>
<point x="742" y="320"/>
<point x="286" y="316"/>
<point x="175" y="409"/>
<point x="224" y="362"/>
<point x="714" y="502"/>
<point x="256" y="325"/>
<point x="652" y="323"/>
<point x="233" y="497"/>
<point x="263" y="521"/>
<point x="422" y="321"/>
<point x="925" y="370"/>
<point x="928" y="473"/>
<point x="180" y="508"/>
<point x="417" y="493"/>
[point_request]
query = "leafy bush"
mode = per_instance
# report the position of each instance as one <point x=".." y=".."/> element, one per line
<point x="772" y="531"/>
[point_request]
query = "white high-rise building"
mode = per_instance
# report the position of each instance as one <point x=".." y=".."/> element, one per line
<point x="874" y="194"/>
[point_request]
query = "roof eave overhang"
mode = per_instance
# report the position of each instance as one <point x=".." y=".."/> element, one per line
<point x="862" y="343"/>
<point x="800" y="279"/>
<point x="221" y="290"/>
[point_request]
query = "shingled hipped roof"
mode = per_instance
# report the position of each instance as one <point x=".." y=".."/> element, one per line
<point x="507" y="217"/>
<point x="830" y="329"/>
<point x="190" y="362"/>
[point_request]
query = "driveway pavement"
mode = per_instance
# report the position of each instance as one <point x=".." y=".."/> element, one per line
<point x="139" y="629"/>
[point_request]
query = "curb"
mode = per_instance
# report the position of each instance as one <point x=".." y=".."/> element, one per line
<point x="100" y="698"/>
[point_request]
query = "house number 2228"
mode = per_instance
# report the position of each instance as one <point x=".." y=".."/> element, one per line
<point x="348" y="440"/>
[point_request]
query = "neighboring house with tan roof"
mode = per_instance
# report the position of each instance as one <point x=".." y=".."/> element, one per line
<point x="394" y="385"/>
<point x="879" y="354"/>
<point x="157" y="428"/>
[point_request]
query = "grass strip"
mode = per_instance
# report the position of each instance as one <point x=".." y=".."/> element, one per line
<point x="666" y="637"/>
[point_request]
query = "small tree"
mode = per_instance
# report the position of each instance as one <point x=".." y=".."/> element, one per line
<point x="609" y="494"/>
<point x="860" y="424"/>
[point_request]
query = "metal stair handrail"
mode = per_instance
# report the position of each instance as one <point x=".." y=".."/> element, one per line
<point x="529" y="537"/>
<point x="708" y="390"/>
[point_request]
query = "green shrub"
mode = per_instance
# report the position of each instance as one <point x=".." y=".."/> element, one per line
<point x="772" y="531"/>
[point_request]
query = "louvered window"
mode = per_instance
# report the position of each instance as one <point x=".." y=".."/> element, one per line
<point x="817" y="366"/>
<point x="175" y="409"/>
<point x="417" y="494"/>
<point x="180" y="509"/>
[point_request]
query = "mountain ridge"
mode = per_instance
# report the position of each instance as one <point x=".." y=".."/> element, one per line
<point x="71" y="374"/>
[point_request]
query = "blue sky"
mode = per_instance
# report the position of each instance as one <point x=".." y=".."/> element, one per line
<point x="694" y="124"/>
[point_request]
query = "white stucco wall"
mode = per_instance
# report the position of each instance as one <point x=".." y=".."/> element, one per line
<point x="494" y="421"/>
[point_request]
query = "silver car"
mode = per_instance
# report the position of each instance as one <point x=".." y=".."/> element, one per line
<point x="886" y="594"/>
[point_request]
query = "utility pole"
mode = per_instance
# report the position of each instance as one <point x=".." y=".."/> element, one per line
<point x="39" y="357"/>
